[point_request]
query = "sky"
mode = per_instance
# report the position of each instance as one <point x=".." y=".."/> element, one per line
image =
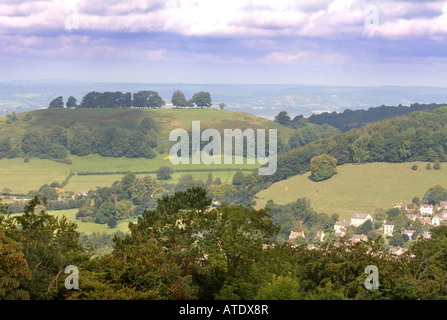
<point x="321" y="42"/>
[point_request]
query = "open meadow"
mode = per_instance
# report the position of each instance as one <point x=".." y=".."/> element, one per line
<point x="357" y="188"/>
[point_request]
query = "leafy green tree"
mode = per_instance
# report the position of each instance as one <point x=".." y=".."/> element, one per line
<point x="124" y="209"/>
<point x="57" y="103"/>
<point x="30" y="142"/>
<point x="5" y="145"/>
<point x="164" y="173"/>
<point x="81" y="143"/>
<point x="47" y="192"/>
<point x="49" y="244"/>
<point x="178" y="99"/>
<point x="435" y="195"/>
<point x="202" y="99"/>
<point x="238" y="179"/>
<point x="72" y="102"/>
<point x="283" y="118"/>
<point x="11" y="118"/>
<point x="127" y="100"/>
<point x="58" y="135"/>
<point x="14" y="270"/>
<point x="281" y="288"/>
<point x="437" y="165"/>
<point x="366" y="227"/>
<point x="222" y="106"/>
<point x="360" y="148"/>
<point x="28" y="117"/>
<point x="397" y="240"/>
<point x="428" y="167"/>
<point x="147" y="99"/>
<point x="187" y="181"/>
<point x="220" y="192"/>
<point x="147" y="124"/>
<point x="105" y="213"/>
<point x="322" y="167"/>
<point x="112" y="223"/>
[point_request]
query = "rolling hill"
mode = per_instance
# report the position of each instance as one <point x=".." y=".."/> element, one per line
<point x="20" y="176"/>
<point x="357" y="188"/>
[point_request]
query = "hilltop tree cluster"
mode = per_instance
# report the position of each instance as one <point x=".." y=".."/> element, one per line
<point x="142" y="99"/>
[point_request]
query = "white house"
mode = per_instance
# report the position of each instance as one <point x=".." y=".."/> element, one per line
<point x="388" y="228"/>
<point x="426" y="209"/>
<point x="436" y="220"/>
<point x="360" y="218"/>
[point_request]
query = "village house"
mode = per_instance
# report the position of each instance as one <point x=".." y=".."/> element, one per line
<point x="412" y="217"/>
<point x="359" y="237"/>
<point x="340" y="232"/>
<point x="436" y="220"/>
<point x="320" y="235"/>
<point x="341" y="224"/>
<point x="425" y="220"/>
<point x="398" y="250"/>
<point x="340" y="228"/>
<point x="80" y="193"/>
<point x="296" y="234"/>
<point x="427" y="235"/>
<point x="388" y="228"/>
<point x="407" y="207"/>
<point x="411" y="234"/>
<point x="426" y="209"/>
<point x="360" y="218"/>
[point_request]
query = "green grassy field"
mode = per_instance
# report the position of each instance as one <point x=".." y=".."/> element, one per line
<point x="84" y="183"/>
<point x="90" y="227"/>
<point x="357" y="188"/>
<point x="21" y="177"/>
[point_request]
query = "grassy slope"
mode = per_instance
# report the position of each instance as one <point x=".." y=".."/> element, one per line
<point x="358" y="188"/>
<point x="166" y="118"/>
<point x="21" y="177"/>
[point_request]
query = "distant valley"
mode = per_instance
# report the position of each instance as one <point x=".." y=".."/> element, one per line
<point x="258" y="99"/>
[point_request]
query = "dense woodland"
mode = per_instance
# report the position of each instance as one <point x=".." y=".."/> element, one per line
<point x="185" y="249"/>
<point x="58" y="142"/>
<point x="349" y="119"/>
<point x="418" y="136"/>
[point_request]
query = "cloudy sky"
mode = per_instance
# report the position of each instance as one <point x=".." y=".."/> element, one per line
<point x="326" y="42"/>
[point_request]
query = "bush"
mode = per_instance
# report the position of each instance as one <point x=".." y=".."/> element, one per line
<point x="322" y="167"/>
<point x="414" y="167"/>
<point x="164" y="173"/>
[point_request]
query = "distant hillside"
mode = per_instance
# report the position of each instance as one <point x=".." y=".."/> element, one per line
<point x="418" y="136"/>
<point x="131" y="133"/>
<point x="264" y="100"/>
<point x="357" y="188"/>
<point x="349" y="119"/>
